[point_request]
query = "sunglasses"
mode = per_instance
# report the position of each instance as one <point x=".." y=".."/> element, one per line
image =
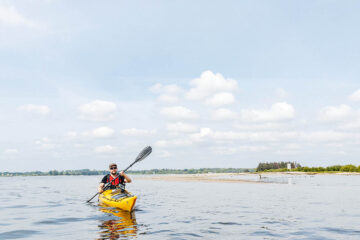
<point x="113" y="168"/>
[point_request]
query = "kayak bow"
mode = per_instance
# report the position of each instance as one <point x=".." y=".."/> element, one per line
<point x="117" y="199"/>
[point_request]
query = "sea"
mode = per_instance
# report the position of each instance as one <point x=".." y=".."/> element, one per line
<point x="273" y="207"/>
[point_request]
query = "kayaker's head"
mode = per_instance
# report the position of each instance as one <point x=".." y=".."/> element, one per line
<point x="113" y="168"/>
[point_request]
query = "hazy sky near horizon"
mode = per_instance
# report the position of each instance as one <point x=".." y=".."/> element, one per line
<point x="205" y="83"/>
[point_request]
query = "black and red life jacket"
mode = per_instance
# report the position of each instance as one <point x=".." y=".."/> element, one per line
<point x="114" y="184"/>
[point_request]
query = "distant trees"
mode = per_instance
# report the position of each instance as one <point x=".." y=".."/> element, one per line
<point x="275" y="165"/>
<point x="282" y="166"/>
<point x="152" y="171"/>
<point x="349" y="168"/>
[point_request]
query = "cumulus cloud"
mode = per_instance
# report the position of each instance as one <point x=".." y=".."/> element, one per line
<point x="178" y="113"/>
<point x="11" y="17"/>
<point x="208" y="84"/>
<point x="351" y="125"/>
<point x="37" y="109"/>
<point x="168" y="93"/>
<point x="45" y="143"/>
<point x="98" y="110"/>
<point x="355" y="96"/>
<point x="163" y="154"/>
<point x="220" y="99"/>
<point x="181" y="127"/>
<point x="11" y="151"/>
<point x="335" y="113"/>
<point x="103" y="132"/>
<point x="104" y="149"/>
<point x="278" y="112"/>
<point x="327" y="136"/>
<point x="223" y="150"/>
<point x="261" y="126"/>
<point x="166" y="89"/>
<point x="253" y="148"/>
<point x="204" y="133"/>
<point x="223" y="114"/>
<point x="173" y="143"/>
<point x="71" y="135"/>
<point x="168" y="98"/>
<point x="134" y="132"/>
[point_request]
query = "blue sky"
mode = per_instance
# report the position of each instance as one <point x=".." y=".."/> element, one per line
<point x="206" y="83"/>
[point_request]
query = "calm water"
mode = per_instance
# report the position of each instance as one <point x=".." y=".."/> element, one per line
<point x="299" y="207"/>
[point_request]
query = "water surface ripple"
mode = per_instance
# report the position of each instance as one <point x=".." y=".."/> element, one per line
<point x="305" y="207"/>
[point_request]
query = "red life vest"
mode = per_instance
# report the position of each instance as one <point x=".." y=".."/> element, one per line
<point x="119" y="180"/>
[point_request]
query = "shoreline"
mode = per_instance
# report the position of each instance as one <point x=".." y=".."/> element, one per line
<point x="201" y="177"/>
<point x="230" y="177"/>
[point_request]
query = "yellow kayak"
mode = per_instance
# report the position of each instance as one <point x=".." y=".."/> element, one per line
<point x="117" y="199"/>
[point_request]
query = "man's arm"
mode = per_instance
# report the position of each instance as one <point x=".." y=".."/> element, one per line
<point x="101" y="187"/>
<point x="127" y="178"/>
<point x="102" y="184"/>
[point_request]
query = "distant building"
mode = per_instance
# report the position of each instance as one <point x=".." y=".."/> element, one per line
<point x="289" y="166"/>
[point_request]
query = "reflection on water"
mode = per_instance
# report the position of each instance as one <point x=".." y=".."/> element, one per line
<point x="312" y="207"/>
<point x="122" y="225"/>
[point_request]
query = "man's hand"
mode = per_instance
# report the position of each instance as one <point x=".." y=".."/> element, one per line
<point x="122" y="173"/>
<point x="101" y="187"/>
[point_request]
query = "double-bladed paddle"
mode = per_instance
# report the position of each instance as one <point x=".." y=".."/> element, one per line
<point x="142" y="155"/>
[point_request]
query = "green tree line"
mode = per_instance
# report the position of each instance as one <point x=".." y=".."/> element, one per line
<point x="275" y="165"/>
<point x="280" y="167"/>
<point x="152" y="171"/>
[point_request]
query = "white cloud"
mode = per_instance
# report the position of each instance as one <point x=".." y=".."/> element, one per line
<point x="134" y="132"/>
<point x="208" y="84"/>
<point x="327" y="136"/>
<point x="11" y="151"/>
<point x="278" y="112"/>
<point x="169" y="93"/>
<point x="351" y="125"/>
<point x="255" y="136"/>
<point x="223" y="114"/>
<point x="45" y="143"/>
<point x="178" y="113"/>
<point x="173" y="143"/>
<point x="335" y="113"/>
<point x="220" y="99"/>
<point x="163" y="154"/>
<point x="104" y="149"/>
<point x="71" y="135"/>
<point x="253" y="148"/>
<point x="98" y="110"/>
<point x="224" y="150"/>
<point x="166" y="89"/>
<point x="181" y="127"/>
<point x="260" y="126"/>
<point x="10" y="16"/>
<point x="355" y="96"/>
<point x="168" y="98"/>
<point x="103" y="132"/>
<point x="204" y="133"/>
<point x="38" y="109"/>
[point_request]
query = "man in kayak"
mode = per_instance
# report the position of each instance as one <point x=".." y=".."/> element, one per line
<point x="121" y="180"/>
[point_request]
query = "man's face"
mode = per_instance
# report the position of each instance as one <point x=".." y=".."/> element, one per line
<point x="113" y="169"/>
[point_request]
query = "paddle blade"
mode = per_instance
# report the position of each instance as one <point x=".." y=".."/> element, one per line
<point x="143" y="154"/>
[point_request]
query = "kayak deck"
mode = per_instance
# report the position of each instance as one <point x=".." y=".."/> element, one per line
<point x="116" y="198"/>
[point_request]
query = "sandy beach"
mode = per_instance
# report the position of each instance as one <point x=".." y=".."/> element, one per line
<point x="229" y="177"/>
